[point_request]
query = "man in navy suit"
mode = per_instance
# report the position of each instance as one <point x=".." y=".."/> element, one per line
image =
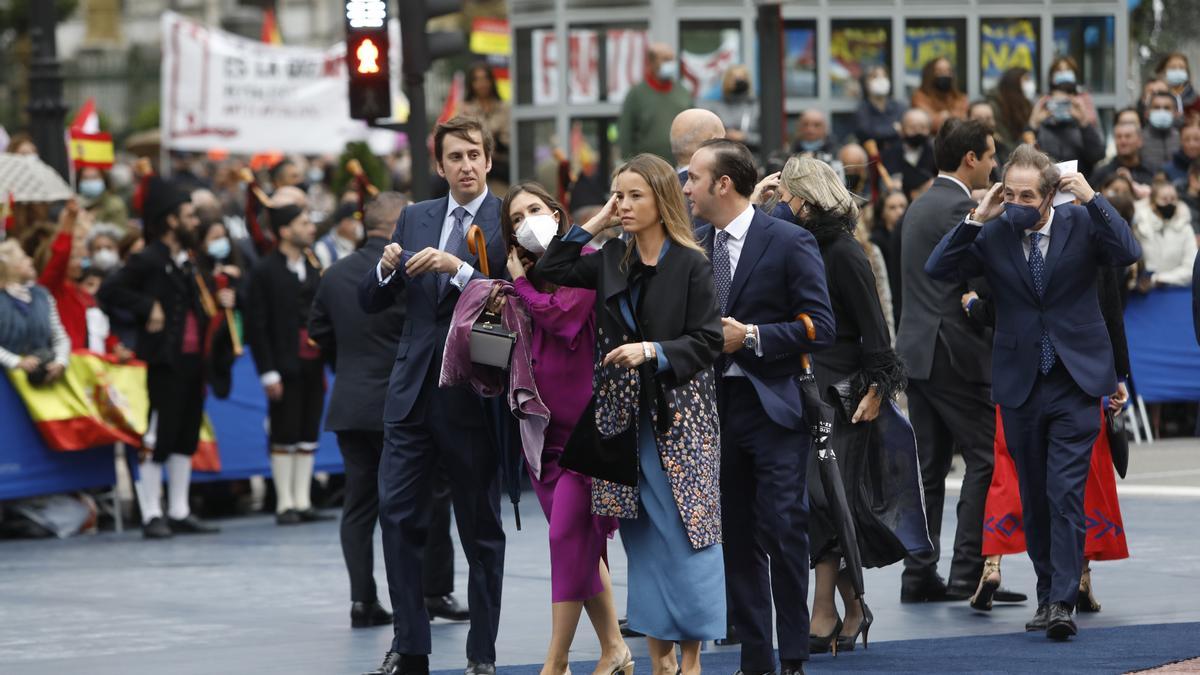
<point x="429" y="259"/>
<point x="1051" y="356"/>
<point x="766" y="272"/>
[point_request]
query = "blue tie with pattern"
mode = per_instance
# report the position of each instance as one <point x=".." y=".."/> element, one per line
<point x="721" y="279"/>
<point x="721" y="272"/>
<point x="455" y="243"/>
<point x="1037" y="269"/>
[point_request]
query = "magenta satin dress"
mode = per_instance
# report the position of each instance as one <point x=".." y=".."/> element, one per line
<point x="564" y="343"/>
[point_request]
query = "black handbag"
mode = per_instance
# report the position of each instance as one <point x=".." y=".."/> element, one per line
<point x="1118" y="441"/>
<point x="612" y="459"/>
<point x="491" y="343"/>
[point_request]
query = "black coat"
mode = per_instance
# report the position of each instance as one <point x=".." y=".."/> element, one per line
<point x="148" y="277"/>
<point x="276" y="309"/>
<point x="361" y="347"/>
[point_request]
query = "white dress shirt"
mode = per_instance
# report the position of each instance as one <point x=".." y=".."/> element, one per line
<point x="465" y="271"/>
<point x="737" y="229"/>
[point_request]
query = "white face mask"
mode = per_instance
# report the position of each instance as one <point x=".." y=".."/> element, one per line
<point x="1176" y="76"/>
<point x="667" y="71"/>
<point x="1029" y="89"/>
<point x="105" y="259"/>
<point x="535" y="232"/>
<point x="879" y="86"/>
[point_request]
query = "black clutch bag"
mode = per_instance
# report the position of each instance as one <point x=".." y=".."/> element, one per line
<point x="492" y="343"/>
<point x="612" y="459"/>
<point x="1118" y="441"/>
<point x="847" y="394"/>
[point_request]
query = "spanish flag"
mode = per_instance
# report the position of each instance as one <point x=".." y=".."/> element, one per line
<point x="100" y="401"/>
<point x="270" y="29"/>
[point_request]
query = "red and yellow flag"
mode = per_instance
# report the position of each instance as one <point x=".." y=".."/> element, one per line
<point x="100" y="401"/>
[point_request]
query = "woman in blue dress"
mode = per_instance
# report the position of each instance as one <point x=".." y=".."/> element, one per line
<point x="657" y="333"/>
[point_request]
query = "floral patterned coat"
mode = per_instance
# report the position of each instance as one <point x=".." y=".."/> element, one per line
<point x="677" y="309"/>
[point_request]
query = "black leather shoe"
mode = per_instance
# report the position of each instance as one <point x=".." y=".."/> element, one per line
<point x="395" y="663"/>
<point x="792" y="668"/>
<point x="1002" y="594"/>
<point x="446" y="607"/>
<point x="191" y="525"/>
<point x="289" y="517"/>
<point x="626" y="631"/>
<point x="474" y="668"/>
<point x="956" y="592"/>
<point x="1059" y="624"/>
<point x="157" y="528"/>
<point x="1039" y="620"/>
<point x="731" y="637"/>
<point x="312" y="516"/>
<point x="930" y="589"/>
<point x="367" y="614"/>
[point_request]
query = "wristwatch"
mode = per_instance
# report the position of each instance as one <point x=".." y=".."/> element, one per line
<point x="751" y="340"/>
<point x="647" y="351"/>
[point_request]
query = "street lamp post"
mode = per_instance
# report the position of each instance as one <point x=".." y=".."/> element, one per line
<point x="46" y="107"/>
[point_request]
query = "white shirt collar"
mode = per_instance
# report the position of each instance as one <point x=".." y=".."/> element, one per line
<point x="1045" y="231"/>
<point x="472" y="208"/>
<point x="738" y="227"/>
<point x="957" y="182"/>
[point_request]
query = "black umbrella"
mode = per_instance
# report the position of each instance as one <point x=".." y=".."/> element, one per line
<point x="820" y="420"/>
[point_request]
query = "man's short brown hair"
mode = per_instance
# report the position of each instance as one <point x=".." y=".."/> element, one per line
<point x="462" y="127"/>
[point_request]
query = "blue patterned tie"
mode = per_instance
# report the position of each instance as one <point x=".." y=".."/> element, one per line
<point x="1037" y="269"/>
<point x="455" y="243"/>
<point x="721" y="272"/>
<point x="721" y="279"/>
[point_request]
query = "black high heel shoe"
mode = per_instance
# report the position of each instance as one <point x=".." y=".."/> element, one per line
<point x="845" y="643"/>
<point x="819" y="644"/>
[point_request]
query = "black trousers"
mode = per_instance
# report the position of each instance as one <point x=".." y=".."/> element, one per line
<point x="443" y="425"/>
<point x="764" y="519"/>
<point x="360" y="511"/>
<point x="176" y="396"/>
<point x="1050" y="438"/>
<point x="948" y="413"/>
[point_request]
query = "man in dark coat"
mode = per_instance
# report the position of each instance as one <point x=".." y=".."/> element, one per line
<point x="430" y="261"/>
<point x="766" y="272"/>
<point x="948" y="360"/>
<point x="173" y="304"/>
<point x="361" y="348"/>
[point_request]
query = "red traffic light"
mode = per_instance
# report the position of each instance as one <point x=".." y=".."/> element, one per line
<point x="366" y="57"/>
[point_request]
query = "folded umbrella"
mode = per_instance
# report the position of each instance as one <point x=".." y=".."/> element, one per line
<point x="820" y="421"/>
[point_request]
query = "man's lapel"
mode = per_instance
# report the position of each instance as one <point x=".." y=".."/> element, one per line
<point x="1060" y="232"/>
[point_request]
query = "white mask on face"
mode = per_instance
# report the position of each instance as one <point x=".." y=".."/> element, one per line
<point x="535" y="232"/>
<point x="667" y="71"/>
<point x="879" y="86"/>
<point x="1029" y="89"/>
<point x="105" y="259"/>
<point x="1176" y="76"/>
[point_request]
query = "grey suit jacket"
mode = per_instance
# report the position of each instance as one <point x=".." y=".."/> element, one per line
<point x="932" y="310"/>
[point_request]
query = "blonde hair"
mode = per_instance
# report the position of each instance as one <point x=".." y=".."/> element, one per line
<point x="668" y="198"/>
<point x="10" y="252"/>
<point x="818" y="184"/>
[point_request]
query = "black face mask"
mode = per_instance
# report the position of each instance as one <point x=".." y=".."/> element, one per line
<point x="916" y="140"/>
<point x="943" y="83"/>
<point x="740" y="87"/>
<point x="1167" y="211"/>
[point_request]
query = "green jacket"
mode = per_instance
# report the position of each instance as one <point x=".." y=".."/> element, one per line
<point x="646" y="117"/>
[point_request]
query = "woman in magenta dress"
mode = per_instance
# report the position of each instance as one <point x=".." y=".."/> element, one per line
<point x="563" y="351"/>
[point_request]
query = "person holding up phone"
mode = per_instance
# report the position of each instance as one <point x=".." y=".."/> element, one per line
<point x="1064" y="120"/>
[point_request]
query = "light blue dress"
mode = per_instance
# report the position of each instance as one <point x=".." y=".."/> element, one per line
<point x="675" y="592"/>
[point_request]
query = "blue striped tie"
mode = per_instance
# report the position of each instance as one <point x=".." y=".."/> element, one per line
<point x="1037" y="269"/>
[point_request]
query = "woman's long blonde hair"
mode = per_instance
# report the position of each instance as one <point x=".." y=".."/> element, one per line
<point x="668" y="197"/>
<point x="818" y="185"/>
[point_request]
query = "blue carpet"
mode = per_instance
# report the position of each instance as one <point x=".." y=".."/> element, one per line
<point x="1093" y="651"/>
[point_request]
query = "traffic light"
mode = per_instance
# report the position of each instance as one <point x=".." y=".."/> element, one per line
<point x="419" y="49"/>
<point x="367" y="59"/>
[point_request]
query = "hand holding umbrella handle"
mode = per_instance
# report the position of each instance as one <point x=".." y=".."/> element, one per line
<point x="477" y="245"/>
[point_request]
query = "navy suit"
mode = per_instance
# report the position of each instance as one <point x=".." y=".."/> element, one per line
<point x="1050" y="420"/>
<point x="764" y="438"/>
<point x="424" y="423"/>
